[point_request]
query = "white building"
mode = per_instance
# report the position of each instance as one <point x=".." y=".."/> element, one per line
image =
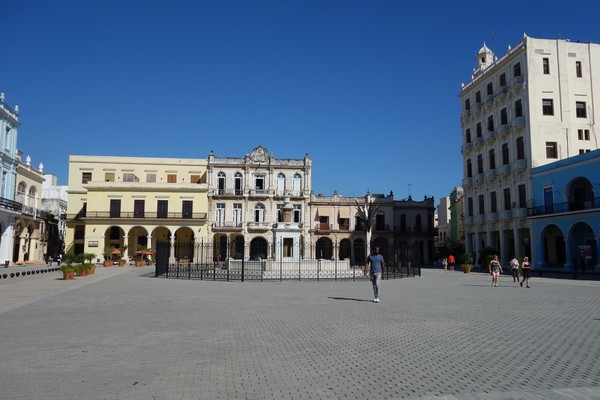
<point x="54" y="201"/>
<point x="530" y="107"/>
<point x="443" y="222"/>
<point x="246" y="196"/>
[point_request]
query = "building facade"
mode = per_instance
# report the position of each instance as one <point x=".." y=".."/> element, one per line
<point x="54" y="202"/>
<point x="530" y="107"/>
<point x="133" y="203"/>
<point x="9" y="208"/>
<point x="566" y="218"/>
<point x="246" y="198"/>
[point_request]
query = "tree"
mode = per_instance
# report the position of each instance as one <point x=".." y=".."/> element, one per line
<point x="366" y="213"/>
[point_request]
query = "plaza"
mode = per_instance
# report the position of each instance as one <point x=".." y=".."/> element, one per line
<point x="123" y="334"/>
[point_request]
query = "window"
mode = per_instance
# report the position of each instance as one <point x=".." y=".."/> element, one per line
<point x="259" y="183"/>
<point x="493" y="202"/>
<point x="490" y="89"/>
<point x="280" y="183"/>
<point x="237" y="179"/>
<point x="551" y="150"/>
<point x="297" y="184"/>
<point x="478" y="97"/>
<point x="578" y="69"/>
<point x="109" y="177"/>
<point x="298" y="215"/>
<point x="547" y="107"/>
<point x="518" y="109"/>
<point x="517" y="70"/>
<point x="522" y="196"/>
<point x="86" y="177"/>
<point x="490" y="123"/>
<point x="582" y="151"/>
<point x="583" y="134"/>
<point x="480" y="164"/>
<point x="259" y="213"/>
<point x="478" y="129"/>
<point x="129" y="177"/>
<point x="468" y="104"/>
<point x="115" y="208"/>
<point x="503" y="117"/>
<point x="138" y="208"/>
<point x="220" y="216"/>
<point x="502" y="80"/>
<point x="195" y="179"/>
<point x="468" y="135"/>
<point x="237" y="214"/>
<point x="492" y="157"/>
<point x="580" y="109"/>
<point x="469" y="168"/>
<point x="546" y="66"/>
<point x="470" y="206"/>
<point x="507" y="199"/>
<point x="481" y="205"/>
<point x="279" y="212"/>
<point x="520" y="148"/>
<point x="187" y="209"/>
<point x="162" y="209"/>
<point x="151" y="178"/>
<point x="171" y="178"/>
<point x="505" y="154"/>
<point x="221" y="183"/>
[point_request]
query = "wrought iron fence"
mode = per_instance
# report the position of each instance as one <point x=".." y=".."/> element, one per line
<point x="237" y="261"/>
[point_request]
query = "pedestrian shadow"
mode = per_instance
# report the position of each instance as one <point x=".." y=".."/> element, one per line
<point x="349" y="299"/>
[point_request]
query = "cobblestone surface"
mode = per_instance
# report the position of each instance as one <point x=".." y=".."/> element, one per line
<point x="447" y="335"/>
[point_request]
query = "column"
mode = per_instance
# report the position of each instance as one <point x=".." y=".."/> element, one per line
<point x="172" y="250"/>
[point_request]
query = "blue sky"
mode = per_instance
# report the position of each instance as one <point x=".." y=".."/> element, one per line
<point x="369" y="89"/>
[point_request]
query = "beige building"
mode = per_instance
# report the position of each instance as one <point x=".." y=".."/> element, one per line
<point x="246" y="196"/>
<point x="31" y="225"/>
<point x="131" y="203"/>
<point x="532" y="106"/>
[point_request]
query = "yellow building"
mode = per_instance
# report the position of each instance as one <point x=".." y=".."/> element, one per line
<point x="135" y="203"/>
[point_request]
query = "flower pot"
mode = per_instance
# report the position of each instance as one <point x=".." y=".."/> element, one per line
<point x="121" y="263"/>
<point x="68" y="275"/>
<point x="108" y="263"/>
<point x="139" y="263"/>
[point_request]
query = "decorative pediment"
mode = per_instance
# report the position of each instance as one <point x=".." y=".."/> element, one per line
<point x="259" y="155"/>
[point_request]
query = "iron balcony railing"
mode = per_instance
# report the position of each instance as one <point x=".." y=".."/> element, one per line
<point x="137" y="215"/>
<point x="10" y="204"/>
<point x="557" y="208"/>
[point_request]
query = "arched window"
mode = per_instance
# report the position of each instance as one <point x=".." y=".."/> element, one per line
<point x="221" y="182"/>
<point x="297" y="184"/>
<point x="21" y="190"/>
<point x="259" y="213"/>
<point x="238" y="184"/>
<point x="280" y="183"/>
<point x="31" y="197"/>
<point x="418" y="224"/>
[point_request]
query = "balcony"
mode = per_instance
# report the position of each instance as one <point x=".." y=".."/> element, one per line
<point x="260" y="193"/>
<point x="288" y="193"/>
<point x="490" y="173"/>
<point x="560" y="208"/>
<point x="503" y="128"/>
<point x="506" y="214"/>
<point x="227" y="226"/>
<point x="519" y="212"/>
<point x="227" y="192"/>
<point x="504" y="169"/>
<point x="259" y="226"/>
<point x="323" y="227"/>
<point x="90" y="215"/>
<point x="10" y="205"/>
<point x="518" y="122"/>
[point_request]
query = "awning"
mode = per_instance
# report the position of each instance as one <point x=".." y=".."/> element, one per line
<point x="344" y="213"/>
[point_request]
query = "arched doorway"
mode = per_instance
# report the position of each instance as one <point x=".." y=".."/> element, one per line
<point x="553" y="242"/>
<point x="360" y="249"/>
<point x="345" y="249"/>
<point x="582" y="243"/>
<point x="580" y="194"/>
<point x="258" y="248"/>
<point x="324" y="249"/>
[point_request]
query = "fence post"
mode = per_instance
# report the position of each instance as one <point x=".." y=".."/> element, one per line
<point x="242" y="268"/>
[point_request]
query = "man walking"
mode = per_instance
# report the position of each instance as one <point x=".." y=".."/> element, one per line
<point x="376" y="267"/>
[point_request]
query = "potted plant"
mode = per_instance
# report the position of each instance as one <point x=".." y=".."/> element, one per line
<point x="107" y="253"/>
<point x="468" y="263"/>
<point x="68" y="272"/>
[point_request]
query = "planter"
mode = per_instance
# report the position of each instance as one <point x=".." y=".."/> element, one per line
<point x="69" y="275"/>
<point x="122" y="263"/>
<point x="139" y="263"/>
<point x="108" y="263"/>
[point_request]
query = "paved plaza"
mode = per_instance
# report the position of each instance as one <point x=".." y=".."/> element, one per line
<point x="123" y="334"/>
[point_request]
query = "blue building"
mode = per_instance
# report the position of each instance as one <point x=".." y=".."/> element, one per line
<point x="9" y="209"/>
<point x="566" y="218"/>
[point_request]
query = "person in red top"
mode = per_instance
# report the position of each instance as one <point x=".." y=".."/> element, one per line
<point x="451" y="262"/>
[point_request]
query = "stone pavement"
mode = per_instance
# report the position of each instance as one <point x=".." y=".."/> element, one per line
<point x="123" y="334"/>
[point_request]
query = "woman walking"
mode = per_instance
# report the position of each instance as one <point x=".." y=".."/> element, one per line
<point x="495" y="269"/>
<point x="526" y="268"/>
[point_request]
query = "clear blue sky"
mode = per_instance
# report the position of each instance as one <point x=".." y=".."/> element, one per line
<point x="369" y="89"/>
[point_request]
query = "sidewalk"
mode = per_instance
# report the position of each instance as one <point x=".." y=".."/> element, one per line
<point x="123" y="334"/>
